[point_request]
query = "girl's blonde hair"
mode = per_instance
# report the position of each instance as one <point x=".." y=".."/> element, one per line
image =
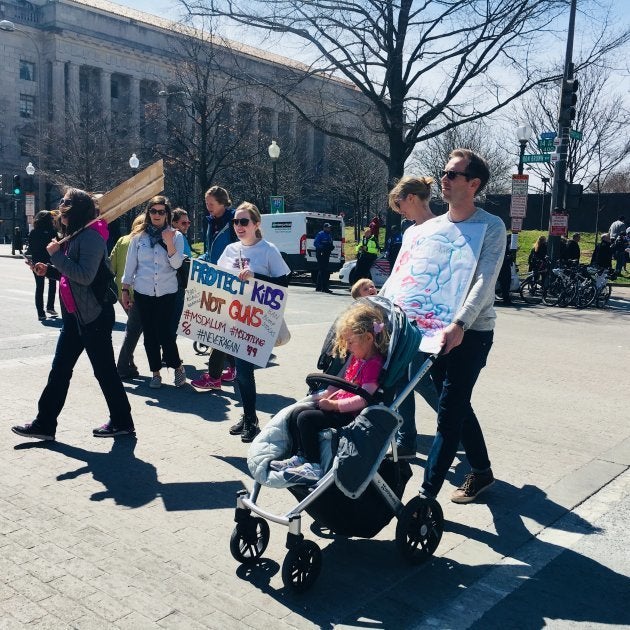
<point x="254" y="214"/>
<point x="358" y="286"/>
<point x="362" y="319"/>
<point x="409" y="185"/>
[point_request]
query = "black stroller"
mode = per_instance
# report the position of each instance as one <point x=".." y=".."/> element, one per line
<point x="362" y="490"/>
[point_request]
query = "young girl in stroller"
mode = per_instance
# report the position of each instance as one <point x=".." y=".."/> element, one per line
<point x="362" y="333"/>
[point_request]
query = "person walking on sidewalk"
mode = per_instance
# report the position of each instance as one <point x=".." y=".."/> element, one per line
<point x="181" y="223"/>
<point x="126" y="365"/>
<point x="87" y="324"/>
<point x="42" y="233"/>
<point x="156" y="252"/>
<point x="252" y="257"/>
<point x="220" y="233"/>
<point x="324" y="246"/>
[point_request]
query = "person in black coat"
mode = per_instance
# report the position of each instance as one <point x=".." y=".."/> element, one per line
<point x="572" y="251"/>
<point x="602" y="255"/>
<point x="43" y="232"/>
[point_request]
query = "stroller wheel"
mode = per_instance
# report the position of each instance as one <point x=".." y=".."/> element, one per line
<point x="249" y="540"/>
<point x="419" y="529"/>
<point x="301" y="566"/>
<point x="200" y="348"/>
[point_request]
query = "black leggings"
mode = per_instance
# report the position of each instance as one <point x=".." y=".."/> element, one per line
<point x="305" y="425"/>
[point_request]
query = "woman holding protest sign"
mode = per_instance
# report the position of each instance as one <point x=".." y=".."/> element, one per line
<point x="155" y="253"/>
<point x="87" y="321"/>
<point x="251" y="257"/>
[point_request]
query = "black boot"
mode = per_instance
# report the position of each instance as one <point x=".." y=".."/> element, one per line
<point x="250" y="428"/>
<point x="237" y="429"/>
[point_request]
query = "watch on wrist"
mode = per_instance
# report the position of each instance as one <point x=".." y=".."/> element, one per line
<point x="460" y="323"/>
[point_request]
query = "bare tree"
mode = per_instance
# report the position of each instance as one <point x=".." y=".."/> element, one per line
<point x="602" y="117"/>
<point x="419" y="67"/>
<point x="430" y="157"/>
<point x="617" y="182"/>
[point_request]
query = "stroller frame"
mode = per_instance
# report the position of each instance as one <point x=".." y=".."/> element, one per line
<point x="418" y="532"/>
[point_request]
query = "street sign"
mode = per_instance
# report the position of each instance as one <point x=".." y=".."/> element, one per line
<point x="29" y="205"/>
<point x="548" y="135"/>
<point x="575" y="135"/>
<point x="277" y="204"/>
<point x="518" y="205"/>
<point x="530" y="159"/>
<point x="546" y="145"/>
<point x="558" y="224"/>
<point x="554" y="157"/>
<point x="517" y="226"/>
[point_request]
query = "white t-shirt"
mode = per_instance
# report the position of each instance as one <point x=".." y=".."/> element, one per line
<point x="262" y="258"/>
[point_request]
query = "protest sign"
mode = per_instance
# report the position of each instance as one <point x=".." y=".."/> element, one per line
<point x="241" y="318"/>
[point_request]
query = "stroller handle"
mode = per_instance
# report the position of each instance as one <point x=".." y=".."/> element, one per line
<point x="318" y="379"/>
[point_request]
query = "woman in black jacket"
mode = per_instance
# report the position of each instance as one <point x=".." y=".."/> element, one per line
<point x="43" y="232"/>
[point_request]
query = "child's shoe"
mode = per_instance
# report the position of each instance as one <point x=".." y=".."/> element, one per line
<point x="291" y="462"/>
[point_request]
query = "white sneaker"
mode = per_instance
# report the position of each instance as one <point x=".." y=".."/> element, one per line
<point x="156" y="382"/>
<point x="307" y="473"/>
<point x="291" y="462"/>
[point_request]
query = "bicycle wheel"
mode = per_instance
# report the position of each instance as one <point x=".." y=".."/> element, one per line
<point x="601" y="301"/>
<point x="586" y="292"/>
<point x="552" y="291"/>
<point x="531" y="291"/>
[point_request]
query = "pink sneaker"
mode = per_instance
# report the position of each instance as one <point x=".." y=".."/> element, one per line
<point x="206" y="382"/>
<point x="228" y="375"/>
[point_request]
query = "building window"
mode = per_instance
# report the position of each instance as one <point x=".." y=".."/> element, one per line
<point x="114" y="89"/>
<point x="27" y="106"/>
<point x="27" y="70"/>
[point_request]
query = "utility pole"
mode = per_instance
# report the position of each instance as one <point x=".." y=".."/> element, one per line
<point x="566" y="114"/>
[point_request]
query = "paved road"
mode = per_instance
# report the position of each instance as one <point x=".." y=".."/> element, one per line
<point x="126" y="534"/>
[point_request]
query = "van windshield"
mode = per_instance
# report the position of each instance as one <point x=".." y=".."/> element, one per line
<point x="315" y="225"/>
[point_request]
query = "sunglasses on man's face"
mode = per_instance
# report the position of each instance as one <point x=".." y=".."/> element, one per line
<point x="156" y="211"/>
<point x="453" y="174"/>
<point x="243" y="222"/>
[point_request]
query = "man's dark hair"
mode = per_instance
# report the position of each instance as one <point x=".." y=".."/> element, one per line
<point x="477" y="166"/>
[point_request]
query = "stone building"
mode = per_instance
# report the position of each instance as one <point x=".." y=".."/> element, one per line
<point x="59" y="55"/>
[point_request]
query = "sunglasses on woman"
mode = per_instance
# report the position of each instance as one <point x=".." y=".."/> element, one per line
<point x="243" y="222"/>
<point x="65" y="202"/>
<point x="156" y="211"/>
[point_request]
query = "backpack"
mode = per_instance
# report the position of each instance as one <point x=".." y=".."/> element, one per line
<point x="104" y="284"/>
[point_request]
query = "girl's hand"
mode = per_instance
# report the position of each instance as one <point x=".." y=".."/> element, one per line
<point x="40" y="268"/>
<point x="53" y="247"/>
<point x="327" y="405"/>
<point x="245" y="274"/>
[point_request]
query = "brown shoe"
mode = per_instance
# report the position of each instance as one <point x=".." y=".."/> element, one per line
<point x="474" y="484"/>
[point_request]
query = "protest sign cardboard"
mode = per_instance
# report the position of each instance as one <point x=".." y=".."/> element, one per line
<point x="432" y="275"/>
<point x="241" y="318"/>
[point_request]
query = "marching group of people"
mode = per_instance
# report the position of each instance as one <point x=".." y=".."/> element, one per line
<point x="146" y="264"/>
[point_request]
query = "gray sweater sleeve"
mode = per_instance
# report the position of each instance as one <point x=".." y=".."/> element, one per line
<point x="477" y="312"/>
<point x="86" y="254"/>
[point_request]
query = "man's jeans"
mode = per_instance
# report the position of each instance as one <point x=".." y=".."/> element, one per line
<point x="455" y="374"/>
<point x="96" y="339"/>
<point x="426" y="387"/>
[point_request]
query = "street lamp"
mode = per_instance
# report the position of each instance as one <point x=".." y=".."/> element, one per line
<point x="134" y="162"/>
<point x="523" y="133"/>
<point x="545" y="181"/>
<point x="274" y="154"/>
<point x="7" y="25"/>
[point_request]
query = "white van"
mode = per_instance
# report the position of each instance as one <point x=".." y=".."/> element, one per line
<point x="293" y="234"/>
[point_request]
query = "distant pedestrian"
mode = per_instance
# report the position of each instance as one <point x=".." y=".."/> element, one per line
<point x="375" y="226"/>
<point x="324" y="246"/>
<point x="42" y="233"/>
<point x="17" y="244"/>
<point x="87" y="324"/>
<point x="619" y="246"/>
<point x="617" y="228"/>
<point x="367" y="251"/>
<point x="181" y="223"/>
<point x="602" y="254"/>
<point x="505" y="274"/>
<point x="156" y="252"/>
<point x="573" y="248"/>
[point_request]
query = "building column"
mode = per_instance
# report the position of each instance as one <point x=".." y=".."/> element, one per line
<point x="106" y="98"/>
<point x="58" y="94"/>
<point x="74" y="89"/>
<point x="134" y="112"/>
<point x="163" y="105"/>
<point x="274" y="124"/>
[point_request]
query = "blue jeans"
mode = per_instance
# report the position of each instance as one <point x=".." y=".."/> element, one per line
<point x="456" y="374"/>
<point x="426" y="387"/>
<point x="96" y="339"/>
<point x="246" y="386"/>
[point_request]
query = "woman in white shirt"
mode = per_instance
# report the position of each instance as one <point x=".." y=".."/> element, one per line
<point x="251" y="257"/>
<point x="156" y="252"/>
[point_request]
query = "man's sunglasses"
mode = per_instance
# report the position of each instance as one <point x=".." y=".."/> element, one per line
<point x="156" y="211"/>
<point x="242" y="222"/>
<point x="453" y="174"/>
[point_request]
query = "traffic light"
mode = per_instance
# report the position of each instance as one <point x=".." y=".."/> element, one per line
<point x="573" y="197"/>
<point x="17" y="186"/>
<point x="568" y="99"/>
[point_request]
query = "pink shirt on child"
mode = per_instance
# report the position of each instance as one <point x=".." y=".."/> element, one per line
<point x="361" y="372"/>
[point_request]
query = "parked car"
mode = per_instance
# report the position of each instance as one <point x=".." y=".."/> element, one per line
<point x="379" y="271"/>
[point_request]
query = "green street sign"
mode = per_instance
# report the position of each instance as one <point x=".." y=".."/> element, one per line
<point x="546" y="145"/>
<point x="277" y="204"/>
<point x="575" y="135"/>
<point x="530" y="159"/>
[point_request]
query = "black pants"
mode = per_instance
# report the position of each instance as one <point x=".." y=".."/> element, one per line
<point x="156" y="314"/>
<point x="96" y="339"/>
<point x="304" y="427"/>
<point x="217" y="361"/>
<point x="39" y="294"/>
<point x="323" y="275"/>
<point x="364" y="264"/>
